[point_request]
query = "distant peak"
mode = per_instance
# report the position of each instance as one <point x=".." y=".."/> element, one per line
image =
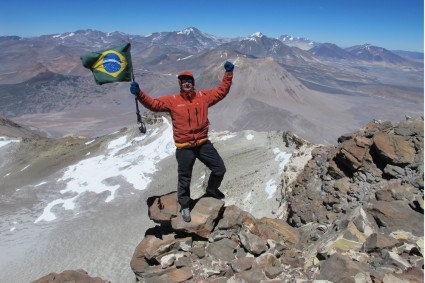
<point x="188" y="31"/>
<point x="257" y="34"/>
<point x="287" y="37"/>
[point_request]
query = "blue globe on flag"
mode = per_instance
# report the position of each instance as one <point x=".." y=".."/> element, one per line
<point x="111" y="63"/>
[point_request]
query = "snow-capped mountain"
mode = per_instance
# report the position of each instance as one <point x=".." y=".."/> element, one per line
<point x="300" y="42"/>
<point x="50" y="81"/>
<point x="190" y="39"/>
<point x="88" y="38"/>
<point x="260" y="45"/>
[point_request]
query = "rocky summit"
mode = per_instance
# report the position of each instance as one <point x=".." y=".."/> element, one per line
<point x="353" y="213"/>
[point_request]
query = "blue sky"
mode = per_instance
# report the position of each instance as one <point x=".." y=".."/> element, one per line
<point x="395" y="24"/>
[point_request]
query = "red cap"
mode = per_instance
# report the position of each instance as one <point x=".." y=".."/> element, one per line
<point x="186" y="74"/>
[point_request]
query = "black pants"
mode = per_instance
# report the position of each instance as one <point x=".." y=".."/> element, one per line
<point x="186" y="157"/>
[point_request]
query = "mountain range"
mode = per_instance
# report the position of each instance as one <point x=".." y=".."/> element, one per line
<point x="317" y="90"/>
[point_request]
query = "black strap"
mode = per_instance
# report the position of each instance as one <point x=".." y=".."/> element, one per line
<point x="142" y="127"/>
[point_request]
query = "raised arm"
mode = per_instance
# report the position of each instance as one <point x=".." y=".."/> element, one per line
<point x="220" y="92"/>
<point x="156" y="105"/>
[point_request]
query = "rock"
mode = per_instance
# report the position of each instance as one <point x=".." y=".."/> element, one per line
<point x="396" y="216"/>
<point x="363" y="278"/>
<point x="394" y="171"/>
<point x="184" y="244"/>
<point x="242" y="264"/>
<point x="222" y="250"/>
<point x="204" y="217"/>
<point x="233" y="216"/>
<point x="377" y="242"/>
<point x="253" y="243"/>
<point x="172" y="275"/>
<point x="390" y="278"/>
<point x="70" y="276"/>
<point x="249" y="276"/>
<point x="183" y="262"/>
<point x="410" y="128"/>
<point x="168" y="260"/>
<point x="341" y="269"/>
<point x="393" y="149"/>
<point x="152" y="246"/>
<point x="278" y="230"/>
<point x="271" y="265"/>
<point x="395" y="259"/>
<point x="352" y="152"/>
<point x="412" y="275"/>
<point x="163" y="208"/>
<point x="420" y="245"/>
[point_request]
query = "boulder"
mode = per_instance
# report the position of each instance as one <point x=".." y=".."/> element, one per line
<point x="163" y="208"/>
<point x="204" y="215"/>
<point x="377" y="242"/>
<point x="394" y="149"/>
<point x="340" y="269"/>
<point x="397" y="215"/>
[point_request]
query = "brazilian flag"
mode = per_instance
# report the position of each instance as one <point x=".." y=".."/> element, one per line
<point x="110" y="65"/>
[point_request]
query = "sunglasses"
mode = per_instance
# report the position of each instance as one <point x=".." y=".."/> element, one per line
<point x="187" y="81"/>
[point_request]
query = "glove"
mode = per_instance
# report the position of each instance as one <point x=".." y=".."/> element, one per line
<point x="228" y="66"/>
<point x="134" y="88"/>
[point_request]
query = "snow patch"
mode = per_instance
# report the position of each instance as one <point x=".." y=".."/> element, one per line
<point x="271" y="188"/>
<point x="186" y="31"/>
<point x="248" y="197"/>
<point x="226" y="137"/>
<point x="123" y="159"/>
<point x="25" y="168"/>
<point x="47" y="214"/>
<point x="249" y="137"/>
<point x="257" y="34"/>
<point x="6" y="140"/>
<point x="282" y="157"/>
<point x="180" y="59"/>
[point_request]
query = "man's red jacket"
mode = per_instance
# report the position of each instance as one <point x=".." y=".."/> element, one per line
<point x="189" y="112"/>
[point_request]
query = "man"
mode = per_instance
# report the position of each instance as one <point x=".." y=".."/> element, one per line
<point x="189" y="114"/>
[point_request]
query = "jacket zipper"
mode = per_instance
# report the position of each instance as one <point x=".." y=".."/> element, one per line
<point x="188" y="116"/>
<point x="196" y="111"/>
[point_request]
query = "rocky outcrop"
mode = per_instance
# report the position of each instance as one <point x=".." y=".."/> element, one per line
<point x="219" y="243"/>
<point x="240" y="248"/>
<point x="381" y="162"/>
<point x="359" y="206"/>
<point x="354" y="214"/>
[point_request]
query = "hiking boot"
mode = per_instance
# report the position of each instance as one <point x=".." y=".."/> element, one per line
<point x="186" y="214"/>
<point x="215" y="194"/>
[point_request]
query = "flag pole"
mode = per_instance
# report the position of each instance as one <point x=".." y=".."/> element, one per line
<point x="142" y="127"/>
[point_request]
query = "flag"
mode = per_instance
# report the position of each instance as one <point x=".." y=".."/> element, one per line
<point x="110" y="65"/>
